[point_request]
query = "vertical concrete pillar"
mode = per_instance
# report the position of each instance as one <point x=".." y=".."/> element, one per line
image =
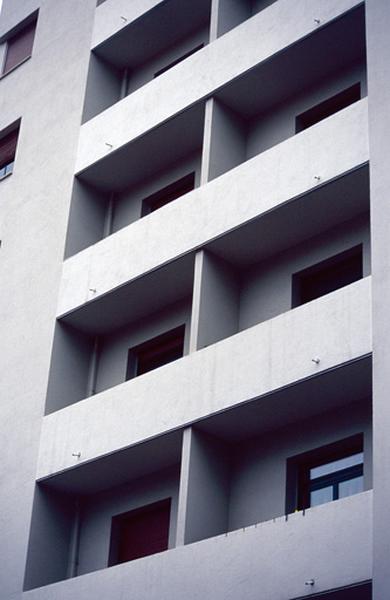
<point x="204" y="486"/>
<point x="215" y="305"/>
<point x="378" y="62"/>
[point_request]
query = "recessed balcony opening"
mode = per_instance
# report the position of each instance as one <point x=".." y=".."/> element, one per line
<point x="293" y="90"/>
<point x="360" y="591"/>
<point x="136" y="180"/>
<point x="304" y="249"/>
<point x="327" y="276"/>
<point x="233" y="12"/>
<point x="122" y="335"/>
<point x="113" y="510"/>
<point x="246" y="450"/>
<point x="145" y="49"/>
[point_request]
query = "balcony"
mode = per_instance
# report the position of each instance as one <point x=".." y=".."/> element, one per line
<point x="185" y="84"/>
<point x="330" y="149"/>
<point x="268" y="357"/>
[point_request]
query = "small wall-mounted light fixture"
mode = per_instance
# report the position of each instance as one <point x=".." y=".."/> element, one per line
<point x="317" y="177"/>
<point x="317" y="21"/>
<point x="109" y="145"/>
<point x="316" y="360"/>
<point x="93" y="290"/>
<point x="310" y="582"/>
<point x="124" y="19"/>
<point x="76" y="454"/>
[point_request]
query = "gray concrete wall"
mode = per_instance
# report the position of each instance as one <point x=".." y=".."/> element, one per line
<point x="266" y="289"/>
<point x="378" y="57"/>
<point x="50" y="538"/>
<point x="204" y="484"/>
<point x="98" y="510"/>
<point x="46" y="92"/>
<point x="258" y="475"/>
<point x="264" y="183"/>
<point x="278" y="123"/>
<point x="114" y="347"/>
<point x="243" y="561"/>
<point x="145" y="72"/>
<point x="69" y="367"/>
<point x="103" y="88"/>
<point x="128" y="204"/>
<point x="216" y="301"/>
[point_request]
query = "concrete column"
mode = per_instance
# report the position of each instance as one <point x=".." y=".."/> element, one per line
<point x="215" y="307"/>
<point x="204" y="483"/>
<point x="378" y="61"/>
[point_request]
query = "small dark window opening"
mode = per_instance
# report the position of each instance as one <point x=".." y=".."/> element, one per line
<point x="328" y="107"/>
<point x="178" y="60"/>
<point x="154" y="353"/>
<point x="140" y="532"/>
<point x="327" y="276"/>
<point x="19" y="47"/>
<point x="8" y="145"/>
<point x="168" y="194"/>
<point x="325" y="474"/>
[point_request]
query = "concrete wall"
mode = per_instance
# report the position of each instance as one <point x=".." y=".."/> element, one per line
<point x="46" y="92"/>
<point x="278" y="123"/>
<point x="128" y="204"/>
<point x="378" y="55"/>
<point x="113" y="348"/>
<point x="258" y="474"/>
<point x="266" y="289"/>
<point x="335" y="327"/>
<point x="204" y="484"/>
<point x="220" y="566"/>
<point x="328" y="150"/>
<point x="98" y="510"/>
<point x="188" y="78"/>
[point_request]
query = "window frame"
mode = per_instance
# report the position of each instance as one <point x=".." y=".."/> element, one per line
<point x="298" y="469"/>
<point x="165" y="338"/>
<point x="29" y="23"/>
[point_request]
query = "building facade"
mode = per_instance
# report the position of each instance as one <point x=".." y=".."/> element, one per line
<point x="195" y="282"/>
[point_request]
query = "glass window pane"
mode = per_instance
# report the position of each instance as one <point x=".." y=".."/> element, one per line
<point x="337" y="465"/>
<point x="350" y="487"/>
<point x="321" y="496"/>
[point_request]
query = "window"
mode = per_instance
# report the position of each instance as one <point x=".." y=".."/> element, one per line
<point x="8" y="145"/>
<point x="154" y="353"/>
<point x="19" y="47"/>
<point x="178" y="60"/>
<point x="140" y="532"/>
<point x="327" y="276"/>
<point x="168" y="194"/>
<point x="328" y="107"/>
<point x="325" y="474"/>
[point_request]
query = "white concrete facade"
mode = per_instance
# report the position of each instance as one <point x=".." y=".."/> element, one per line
<point x="267" y="379"/>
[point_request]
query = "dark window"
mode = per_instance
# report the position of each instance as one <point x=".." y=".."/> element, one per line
<point x="178" y="60"/>
<point x="168" y="194"/>
<point x="19" y="47"/>
<point x="328" y="107"/>
<point x="327" y="276"/>
<point x="154" y="353"/>
<point x="325" y="474"/>
<point x="8" y="145"/>
<point x="140" y="532"/>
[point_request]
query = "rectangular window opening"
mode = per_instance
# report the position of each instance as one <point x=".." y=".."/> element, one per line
<point x="327" y="276"/>
<point x="8" y="144"/>
<point x="168" y="194"/>
<point x="177" y="61"/>
<point x="140" y="532"/>
<point x="328" y="107"/>
<point x="156" y="352"/>
<point x="19" y="47"/>
<point x="325" y="474"/>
